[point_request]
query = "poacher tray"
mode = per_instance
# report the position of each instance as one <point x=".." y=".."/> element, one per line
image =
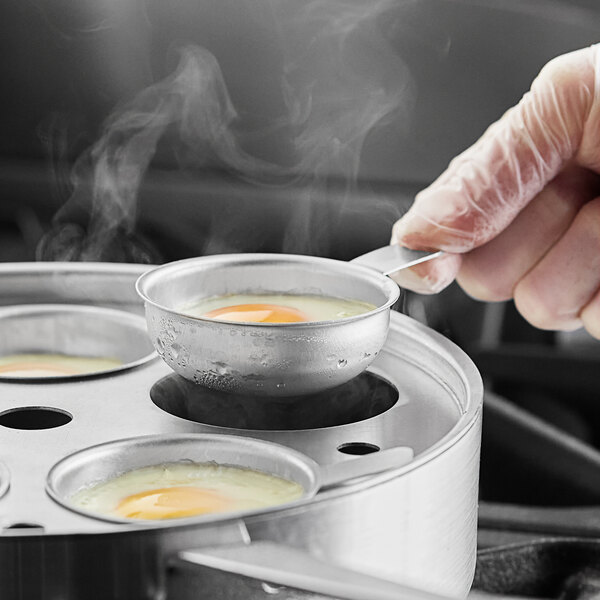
<point x="415" y="525"/>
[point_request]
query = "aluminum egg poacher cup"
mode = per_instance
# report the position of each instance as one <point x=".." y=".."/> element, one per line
<point x="106" y="461"/>
<point x="272" y="359"/>
<point x="73" y="330"/>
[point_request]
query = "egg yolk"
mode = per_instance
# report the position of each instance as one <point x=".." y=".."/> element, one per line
<point x="258" y="313"/>
<point x="171" y="503"/>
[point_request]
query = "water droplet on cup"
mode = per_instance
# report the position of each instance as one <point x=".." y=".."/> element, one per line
<point x="222" y="369"/>
<point x="184" y="357"/>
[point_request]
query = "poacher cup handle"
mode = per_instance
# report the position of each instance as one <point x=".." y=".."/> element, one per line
<point x="361" y="466"/>
<point x="258" y="571"/>
<point x="392" y="258"/>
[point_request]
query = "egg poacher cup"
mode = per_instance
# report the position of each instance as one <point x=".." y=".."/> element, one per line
<point x="393" y="525"/>
<point x="107" y="461"/>
<point x="272" y="359"/>
<point x="80" y="331"/>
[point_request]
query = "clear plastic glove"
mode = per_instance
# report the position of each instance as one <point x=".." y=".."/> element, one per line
<point x="519" y="211"/>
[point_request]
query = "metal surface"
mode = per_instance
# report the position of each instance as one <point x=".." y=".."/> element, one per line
<point x="272" y="359"/>
<point x="394" y="525"/>
<point x="393" y="258"/>
<point x="384" y="460"/>
<point x="282" y="566"/>
<point x="4" y="479"/>
<point x="77" y="331"/>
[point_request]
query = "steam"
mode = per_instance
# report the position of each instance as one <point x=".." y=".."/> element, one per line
<point x="360" y="82"/>
<point x="102" y="210"/>
<point x="341" y="79"/>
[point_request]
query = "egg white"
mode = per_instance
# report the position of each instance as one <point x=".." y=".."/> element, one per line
<point x="53" y="365"/>
<point x="245" y="489"/>
<point x="316" y="308"/>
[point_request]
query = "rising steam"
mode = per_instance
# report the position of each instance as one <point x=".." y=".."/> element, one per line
<point x="341" y="79"/>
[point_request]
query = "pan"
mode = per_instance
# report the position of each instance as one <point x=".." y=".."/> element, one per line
<point x="272" y="359"/>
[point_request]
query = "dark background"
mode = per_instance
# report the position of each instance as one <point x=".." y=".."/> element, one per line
<point x="66" y="65"/>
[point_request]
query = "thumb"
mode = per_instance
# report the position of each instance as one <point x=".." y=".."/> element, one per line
<point x="486" y="186"/>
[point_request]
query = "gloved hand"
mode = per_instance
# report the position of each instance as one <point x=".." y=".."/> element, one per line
<point x="519" y="212"/>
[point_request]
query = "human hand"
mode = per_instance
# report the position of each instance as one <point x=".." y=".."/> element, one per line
<point x="519" y="212"/>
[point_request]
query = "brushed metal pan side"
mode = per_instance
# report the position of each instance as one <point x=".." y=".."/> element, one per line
<point x="4" y="479"/>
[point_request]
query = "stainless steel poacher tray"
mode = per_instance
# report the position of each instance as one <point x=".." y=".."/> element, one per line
<point x="415" y="525"/>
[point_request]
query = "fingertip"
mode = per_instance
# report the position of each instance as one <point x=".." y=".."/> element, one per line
<point x="430" y="277"/>
<point x="410" y="228"/>
<point x="441" y="218"/>
<point x="590" y="316"/>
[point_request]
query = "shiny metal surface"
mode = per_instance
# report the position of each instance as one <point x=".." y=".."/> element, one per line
<point x="4" y="479"/>
<point x="394" y="525"/>
<point x="272" y="359"/>
<point x="282" y="566"/>
<point x="99" y="284"/>
<point x="75" y="330"/>
<point x="392" y="258"/>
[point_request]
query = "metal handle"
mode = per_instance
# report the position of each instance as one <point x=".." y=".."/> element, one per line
<point x="258" y="570"/>
<point x="390" y="259"/>
<point x="391" y="458"/>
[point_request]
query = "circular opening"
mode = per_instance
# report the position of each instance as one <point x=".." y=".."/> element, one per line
<point x="358" y="448"/>
<point x="55" y="342"/>
<point x="361" y="398"/>
<point x="30" y="528"/>
<point x="34" y="417"/>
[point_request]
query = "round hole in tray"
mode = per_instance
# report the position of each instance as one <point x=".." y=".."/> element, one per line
<point x="24" y="528"/>
<point x="119" y="339"/>
<point x="363" y="397"/>
<point x="358" y="448"/>
<point x="34" y="417"/>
